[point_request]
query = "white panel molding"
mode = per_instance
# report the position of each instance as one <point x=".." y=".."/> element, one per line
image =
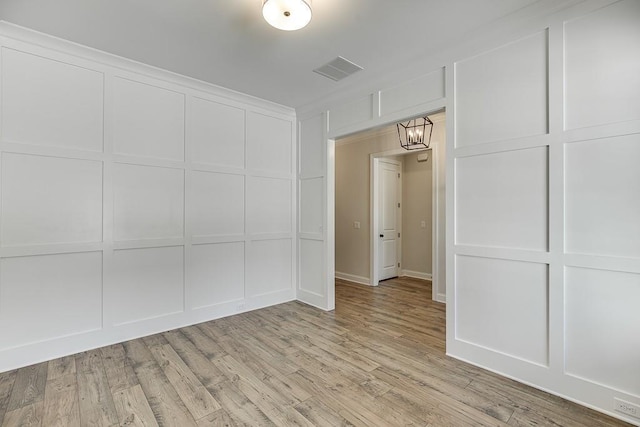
<point x="57" y="248"/>
<point x="147" y="243"/>
<point x="126" y="159"/>
<point x="230" y="238"/>
<point x="8" y="146"/>
<point x="598" y="132"/>
<point x="511" y="254"/>
<point x="353" y="278"/>
<point x="391" y="118"/>
<point x="113" y="327"/>
<point x="507" y="145"/>
<point x="599" y="262"/>
<point x="203" y="167"/>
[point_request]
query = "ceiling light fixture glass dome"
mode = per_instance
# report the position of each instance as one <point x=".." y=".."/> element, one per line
<point x="287" y="15"/>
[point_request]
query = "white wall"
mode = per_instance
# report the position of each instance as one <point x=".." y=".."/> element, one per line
<point x="543" y="137"/>
<point x="133" y="200"/>
<point x="417" y="212"/>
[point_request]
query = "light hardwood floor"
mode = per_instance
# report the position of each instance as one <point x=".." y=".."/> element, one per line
<point x="378" y="360"/>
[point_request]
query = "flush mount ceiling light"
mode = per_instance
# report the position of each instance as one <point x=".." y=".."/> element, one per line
<point x="287" y="15"/>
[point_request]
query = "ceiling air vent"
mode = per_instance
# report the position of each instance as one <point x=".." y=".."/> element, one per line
<point x="338" y="69"/>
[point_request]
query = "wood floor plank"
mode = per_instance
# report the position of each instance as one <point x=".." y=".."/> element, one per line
<point x="29" y="386"/>
<point x="61" y="367"/>
<point x="95" y="399"/>
<point x="195" y="358"/>
<point x="25" y="416"/>
<point x="242" y="410"/>
<point x="120" y="373"/>
<point x="168" y="409"/>
<point x="220" y="418"/>
<point x="133" y="408"/>
<point x="377" y="360"/>
<point x="61" y="403"/>
<point x="319" y="414"/>
<point x="7" y="380"/>
<point x="195" y="396"/>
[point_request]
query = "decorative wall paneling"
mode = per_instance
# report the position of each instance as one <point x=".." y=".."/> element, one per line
<point x="544" y="257"/>
<point x="133" y="200"/>
<point x="543" y="265"/>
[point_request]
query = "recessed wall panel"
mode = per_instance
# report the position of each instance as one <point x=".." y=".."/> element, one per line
<point x="50" y="200"/>
<point x="602" y="78"/>
<point x="269" y="143"/>
<point x="602" y="211"/>
<point x="311" y="146"/>
<point x="148" y="202"/>
<point x="217" y="133"/>
<point x="311" y="201"/>
<point x="502" y="305"/>
<point x="216" y="274"/>
<point x="268" y="205"/>
<point x="49" y="296"/>
<point x="502" y="199"/>
<point x="311" y="271"/>
<point x="148" y="120"/>
<point x="268" y="267"/>
<point x="51" y="103"/>
<point x="502" y="94"/>
<point x="217" y="204"/>
<point x="352" y="113"/>
<point x="145" y="283"/>
<point x="428" y="87"/>
<point x="602" y="318"/>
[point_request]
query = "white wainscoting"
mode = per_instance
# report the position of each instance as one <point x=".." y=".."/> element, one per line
<point x="315" y="215"/>
<point x="545" y="265"/>
<point x="133" y="200"/>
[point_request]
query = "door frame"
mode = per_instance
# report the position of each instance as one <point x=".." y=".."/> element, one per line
<point x="438" y="201"/>
<point x="374" y="209"/>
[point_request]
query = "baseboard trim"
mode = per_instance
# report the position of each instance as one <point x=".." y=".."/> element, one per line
<point x="441" y="298"/>
<point x="417" y="274"/>
<point x="353" y="278"/>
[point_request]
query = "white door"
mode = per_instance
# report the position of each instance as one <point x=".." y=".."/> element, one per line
<point x="389" y="218"/>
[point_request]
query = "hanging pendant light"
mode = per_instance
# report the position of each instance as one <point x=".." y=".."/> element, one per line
<point x="287" y="15"/>
<point x="416" y="133"/>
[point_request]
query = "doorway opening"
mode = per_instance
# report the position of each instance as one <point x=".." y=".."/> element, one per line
<point x="361" y="255"/>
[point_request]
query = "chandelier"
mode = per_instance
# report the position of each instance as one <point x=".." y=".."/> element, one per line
<point x="416" y="133"/>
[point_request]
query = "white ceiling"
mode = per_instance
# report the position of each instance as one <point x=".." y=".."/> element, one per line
<point x="228" y="43"/>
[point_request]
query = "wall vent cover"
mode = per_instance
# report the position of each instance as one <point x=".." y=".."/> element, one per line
<point x="338" y="69"/>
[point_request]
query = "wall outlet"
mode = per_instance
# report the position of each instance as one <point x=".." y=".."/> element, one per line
<point x="356" y="225"/>
<point x="241" y="307"/>
<point x="423" y="224"/>
<point x="626" y="407"/>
